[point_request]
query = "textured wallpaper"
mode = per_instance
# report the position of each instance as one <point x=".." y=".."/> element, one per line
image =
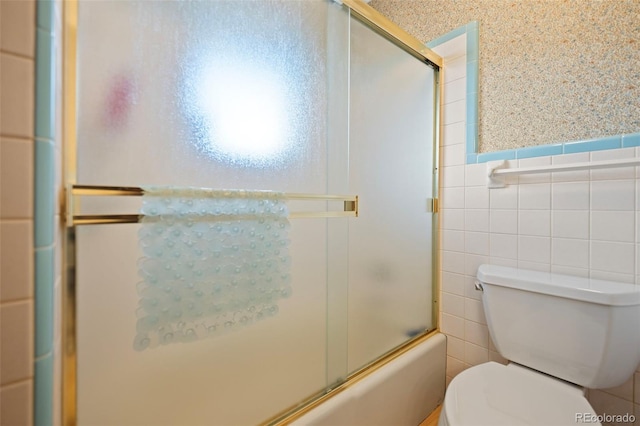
<point x="550" y="70"/>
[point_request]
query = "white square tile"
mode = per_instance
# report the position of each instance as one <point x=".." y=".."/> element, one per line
<point x="477" y="243"/>
<point x="568" y="270"/>
<point x="582" y="175"/>
<point x="452" y="326"/>
<point x="476" y="220"/>
<point x="470" y="290"/>
<point x="475" y="354"/>
<point x="453" y="240"/>
<point x="455" y="347"/>
<point x="453" y="283"/>
<point x="503" y="221"/>
<point x="537" y="177"/>
<point x="452" y="49"/>
<point x="534" y="249"/>
<point x="16" y="348"/>
<point x="570" y="196"/>
<point x="454" y="366"/>
<point x="455" y="112"/>
<point x="453" y="304"/>
<point x="455" y="90"/>
<point x="535" y="222"/>
<point x="452" y="176"/>
<point x="16" y="400"/>
<point x="613" y="195"/>
<point x="17" y="100"/>
<point x="612" y="276"/>
<point x="17" y="27"/>
<point x="455" y="68"/>
<point x="16" y="182"/>
<point x="503" y="246"/>
<point x="453" y="198"/>
<point x="504" y="198"/>
<point x="476" y="175"/>
<point x="613" y="226"/>
<point x="16" y="260"/>
<point x="534" y="266"/>
<point x="570" y="224"/>
<point x="452" y="219"/>
<point x="535" y="196"/>
<point x="570" y="252"/>
<point x="613" y="257"/>
<point x="474" y="311"/>
<point x="476" y="333"/>
<point x="476" y="197"/>
<point x="509" y="263"/>
<point x="453" y="155"/>
<point x="613" y="172"/>
<point x="472" y="262"/>
<point x="454" y="134"/>
<point x="453" y="261"/>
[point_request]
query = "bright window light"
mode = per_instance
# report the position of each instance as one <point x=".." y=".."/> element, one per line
<point x="244" y="109"/>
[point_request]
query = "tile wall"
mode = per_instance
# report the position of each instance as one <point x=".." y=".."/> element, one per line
<point x="29" y="253"/>
<point x="17" y="53"/>
<point x="584" y="223"/>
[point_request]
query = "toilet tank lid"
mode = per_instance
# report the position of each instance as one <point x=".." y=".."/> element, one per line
<point x="567" y="286"/>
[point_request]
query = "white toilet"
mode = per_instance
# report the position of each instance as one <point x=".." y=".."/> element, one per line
<point x="560" y="334"/>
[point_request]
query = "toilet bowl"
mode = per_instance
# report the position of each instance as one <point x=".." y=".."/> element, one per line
<point x="560" y="335"/>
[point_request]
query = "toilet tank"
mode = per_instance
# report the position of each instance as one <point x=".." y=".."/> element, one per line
<point x="582" y="330"/>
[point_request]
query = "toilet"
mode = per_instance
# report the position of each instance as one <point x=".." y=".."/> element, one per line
<point x="561" y="334"/>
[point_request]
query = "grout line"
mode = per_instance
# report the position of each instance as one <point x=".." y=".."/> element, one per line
<point x="18" y="55"/>
<point x="25" y="380"/>
<point x="16" y="136"/>
<point x="6" y="303"/>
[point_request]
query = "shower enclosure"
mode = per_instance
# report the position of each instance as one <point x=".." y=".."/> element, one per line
<point x="309" y="103"/>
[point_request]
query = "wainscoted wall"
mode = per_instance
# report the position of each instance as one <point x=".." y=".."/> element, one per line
<point x="584" y="223"/>
<point x="550" y="71"/>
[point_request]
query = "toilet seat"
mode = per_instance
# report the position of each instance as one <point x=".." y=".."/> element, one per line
<point x="493" y="394"/>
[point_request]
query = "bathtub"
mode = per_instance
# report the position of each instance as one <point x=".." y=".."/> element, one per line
<point x="402" y="392"/>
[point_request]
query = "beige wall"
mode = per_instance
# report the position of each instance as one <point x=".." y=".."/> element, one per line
<point x="17" y="48"/>
<point x="550" y="71"/>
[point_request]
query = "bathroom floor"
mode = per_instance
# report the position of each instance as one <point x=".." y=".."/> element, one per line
<point x="432" y="420"/>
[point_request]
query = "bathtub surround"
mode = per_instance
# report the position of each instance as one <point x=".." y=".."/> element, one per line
<point x="584" y="223"/>
<point x="550" y="71"/>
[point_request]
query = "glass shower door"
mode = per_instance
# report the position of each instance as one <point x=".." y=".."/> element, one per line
<point x="392" y="146"/>
<point x="282" y="96"/>
<point x="214" y="94"/>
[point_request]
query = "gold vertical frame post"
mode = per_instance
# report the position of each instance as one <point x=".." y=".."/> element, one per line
<point x="435" y="230"/>
<point x="69" y="361"/>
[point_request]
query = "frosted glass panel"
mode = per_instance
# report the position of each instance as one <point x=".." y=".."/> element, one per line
<point x="391" y="166"/>
<point x="239" y="378"/>
<point x="217" y="94"/>
<point x="207" y="93"/>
